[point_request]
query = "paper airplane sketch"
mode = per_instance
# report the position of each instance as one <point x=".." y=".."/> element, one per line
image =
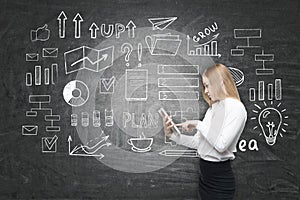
<point x="161" y="23"/>
<point x="85" y="150"/>
<point x="88" y="58"/>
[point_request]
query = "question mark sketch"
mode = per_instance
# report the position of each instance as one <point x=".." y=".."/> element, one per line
<point x="126" y="48"/>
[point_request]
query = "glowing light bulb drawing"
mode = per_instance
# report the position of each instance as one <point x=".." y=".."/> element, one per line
<point x="271" y="122"/>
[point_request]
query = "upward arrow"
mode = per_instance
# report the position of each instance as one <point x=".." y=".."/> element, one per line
<point x="77" y="21"/>
<point x="62" y="24"/>
<point x="69" y="141"/>
<point x="94" y="28"/>
<point x="130" y="26"/>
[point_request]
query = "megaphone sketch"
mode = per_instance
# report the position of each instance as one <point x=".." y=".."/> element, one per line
<point x="163" y="44"/>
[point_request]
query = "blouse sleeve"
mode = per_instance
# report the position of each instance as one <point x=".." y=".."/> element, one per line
<point x="193" y="141"/>
<point x="225" y="128"/>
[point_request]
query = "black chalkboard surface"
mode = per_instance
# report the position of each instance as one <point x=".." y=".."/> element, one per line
<point x="82" y="81"/>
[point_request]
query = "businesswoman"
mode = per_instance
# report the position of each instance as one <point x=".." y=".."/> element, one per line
<point x="217" y="134"/>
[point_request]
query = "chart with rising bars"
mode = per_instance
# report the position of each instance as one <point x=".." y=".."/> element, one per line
<point x="274" y="91"/>
<point x="207" y="49"/>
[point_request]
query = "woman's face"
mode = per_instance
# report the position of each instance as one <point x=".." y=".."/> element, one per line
<point x="207" y="89"/>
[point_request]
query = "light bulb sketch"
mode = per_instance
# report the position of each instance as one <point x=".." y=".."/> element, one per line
<point x="270" y="120"/>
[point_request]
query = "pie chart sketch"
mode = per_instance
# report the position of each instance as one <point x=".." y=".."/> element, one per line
<point x="76" y="93"/>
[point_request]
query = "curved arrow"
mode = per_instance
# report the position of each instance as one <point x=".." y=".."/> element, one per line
<point x="213" y="38"/>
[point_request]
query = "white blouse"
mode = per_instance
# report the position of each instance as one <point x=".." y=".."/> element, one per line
<point x="218" y="133"/>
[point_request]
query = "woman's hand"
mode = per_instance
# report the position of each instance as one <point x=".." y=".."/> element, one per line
<point x="188" y="125"/>
<point x="168" y="125"/>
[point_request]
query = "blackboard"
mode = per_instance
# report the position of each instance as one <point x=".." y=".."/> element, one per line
<point x="79" y="122"/>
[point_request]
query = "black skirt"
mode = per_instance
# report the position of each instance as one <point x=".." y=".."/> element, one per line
<point x="216" y="180"/>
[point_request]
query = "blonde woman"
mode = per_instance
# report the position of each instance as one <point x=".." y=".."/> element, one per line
<point x="217" y="134"/>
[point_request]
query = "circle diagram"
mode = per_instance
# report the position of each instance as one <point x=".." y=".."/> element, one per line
<point x="166" y="77"/>
<point x="76" y="93"/>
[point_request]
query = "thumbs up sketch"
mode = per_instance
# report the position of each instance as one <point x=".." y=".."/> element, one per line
<point x="41" y="34"/>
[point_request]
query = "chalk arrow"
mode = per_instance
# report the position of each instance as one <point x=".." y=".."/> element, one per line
<point x="62" y="24"/>
<point x="94" y="28"/>
<point x="213" y="38"/>
<point x="130" y="26"/>
<point x="103" y="57"/>
<point x="69" y="141"/>
<point x="77" y="21"/>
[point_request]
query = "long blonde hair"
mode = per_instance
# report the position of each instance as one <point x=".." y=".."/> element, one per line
<point x="218" y="75"/>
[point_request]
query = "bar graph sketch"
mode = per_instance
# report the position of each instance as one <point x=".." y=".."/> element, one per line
<point x="207" y="49"/>
<point x="269" y="91"/>
<point x="41" y="76"/>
